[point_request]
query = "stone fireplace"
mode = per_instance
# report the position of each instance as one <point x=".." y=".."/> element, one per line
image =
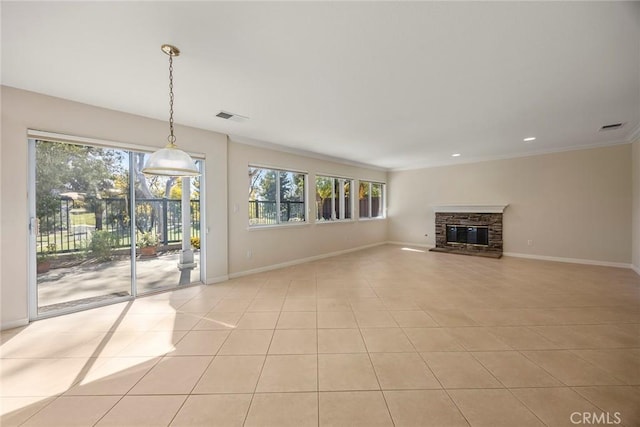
<point x="469" y="229"/>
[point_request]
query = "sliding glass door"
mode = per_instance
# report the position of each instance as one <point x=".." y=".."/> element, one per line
<point x="101" y="231"/>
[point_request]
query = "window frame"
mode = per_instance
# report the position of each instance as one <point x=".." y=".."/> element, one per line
<point x="383" y="200"/>
<point x="278" y="202"/>
<point x="341" y="202"/>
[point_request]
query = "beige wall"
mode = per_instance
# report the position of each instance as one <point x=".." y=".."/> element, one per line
<point x="23" y="110"/>
<point x="574" y="205"/>
<point x="277" y="245"/>
<point x="636" y="206"/>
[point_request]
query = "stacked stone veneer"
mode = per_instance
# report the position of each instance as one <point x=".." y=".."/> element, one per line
<point x="491" y="220"/>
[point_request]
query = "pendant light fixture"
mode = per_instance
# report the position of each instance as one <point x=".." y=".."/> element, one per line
<point x="170" y="160"/>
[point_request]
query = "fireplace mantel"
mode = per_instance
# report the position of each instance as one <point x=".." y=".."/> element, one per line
<point x="470" y="208"/>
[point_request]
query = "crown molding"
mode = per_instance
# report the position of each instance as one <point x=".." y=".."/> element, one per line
<point x="634" y="135"/>
<point x="481" y="159"/>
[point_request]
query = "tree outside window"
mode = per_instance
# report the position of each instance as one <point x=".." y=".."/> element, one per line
<point x="276" y="196"/>
<point x="371" y="199"/>
<point x="333" y="198"/>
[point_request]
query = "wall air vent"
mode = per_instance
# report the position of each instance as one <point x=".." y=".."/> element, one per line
<point x="232" y="116"/>
<point x="612" y="126"/>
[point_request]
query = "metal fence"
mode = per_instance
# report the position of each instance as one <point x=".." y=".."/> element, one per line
<point x="67" y="225"/>
<point x="264" y="212"/>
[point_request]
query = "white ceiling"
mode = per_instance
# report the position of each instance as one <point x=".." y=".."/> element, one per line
<point x="390" y="84"/>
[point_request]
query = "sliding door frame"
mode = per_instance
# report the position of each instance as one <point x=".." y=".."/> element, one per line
<point x="32" y="288"/>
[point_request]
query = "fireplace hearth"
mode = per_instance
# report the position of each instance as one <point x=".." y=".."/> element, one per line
<point x="469" y="229"/>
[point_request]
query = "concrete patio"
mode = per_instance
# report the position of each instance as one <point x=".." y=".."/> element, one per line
<point x="92" y="281"/>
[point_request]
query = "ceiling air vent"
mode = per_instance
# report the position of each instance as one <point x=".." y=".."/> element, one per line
<point x="232" y="116"/>
<point x="612" y="126"/>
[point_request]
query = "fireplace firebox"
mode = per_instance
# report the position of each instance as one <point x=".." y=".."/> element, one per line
<point x="476" y="235"/>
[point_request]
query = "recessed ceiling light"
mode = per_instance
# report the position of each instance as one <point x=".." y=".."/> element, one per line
<point x="456" y="155"/>
<point x="529" y="139"/>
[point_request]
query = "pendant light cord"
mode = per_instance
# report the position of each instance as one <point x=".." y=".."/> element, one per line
<point x="170" y="160"/>
<point x="171" y="138"/>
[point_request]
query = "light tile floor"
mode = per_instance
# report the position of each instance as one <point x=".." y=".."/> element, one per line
<point x="384" y="336"/>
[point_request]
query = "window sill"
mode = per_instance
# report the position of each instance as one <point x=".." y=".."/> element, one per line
<point x="276" y="226"/>
<point x="335" y="221"/>
<point x="378" y="218"/>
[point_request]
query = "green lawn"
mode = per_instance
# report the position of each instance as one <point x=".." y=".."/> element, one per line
<point x="82" y="219"/>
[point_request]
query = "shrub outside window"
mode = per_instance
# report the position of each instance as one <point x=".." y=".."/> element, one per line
<point x="333" y="198"/>
<point x="371" y="199"/>
<point x="276" y="197"/>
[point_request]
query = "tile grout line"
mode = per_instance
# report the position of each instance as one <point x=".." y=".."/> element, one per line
<point x="506" y="387"/>
<point x="264" y="362"/>
<point x="376" y="374"/>
<point x="575" y="389"/>
<point x="436" y="378"/>
<point x="195" y="384"/>
<point x="77" y="380"/>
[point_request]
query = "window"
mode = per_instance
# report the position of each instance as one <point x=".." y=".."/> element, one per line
<point x="333" y="198"/>
<point x="371" y="198"/>
<point x="276" y="197"/>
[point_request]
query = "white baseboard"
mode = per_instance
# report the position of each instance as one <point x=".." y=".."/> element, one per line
<point x="14" y="324"/>
<point x="217" y="279"/>
<point x="538" y="257"/>
<point x="570" y="260"/>
<point x="301" y="261"/>
<point x="426" y="246"/>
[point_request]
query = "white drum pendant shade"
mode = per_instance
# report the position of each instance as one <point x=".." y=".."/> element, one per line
<point x="170" y="161"/>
